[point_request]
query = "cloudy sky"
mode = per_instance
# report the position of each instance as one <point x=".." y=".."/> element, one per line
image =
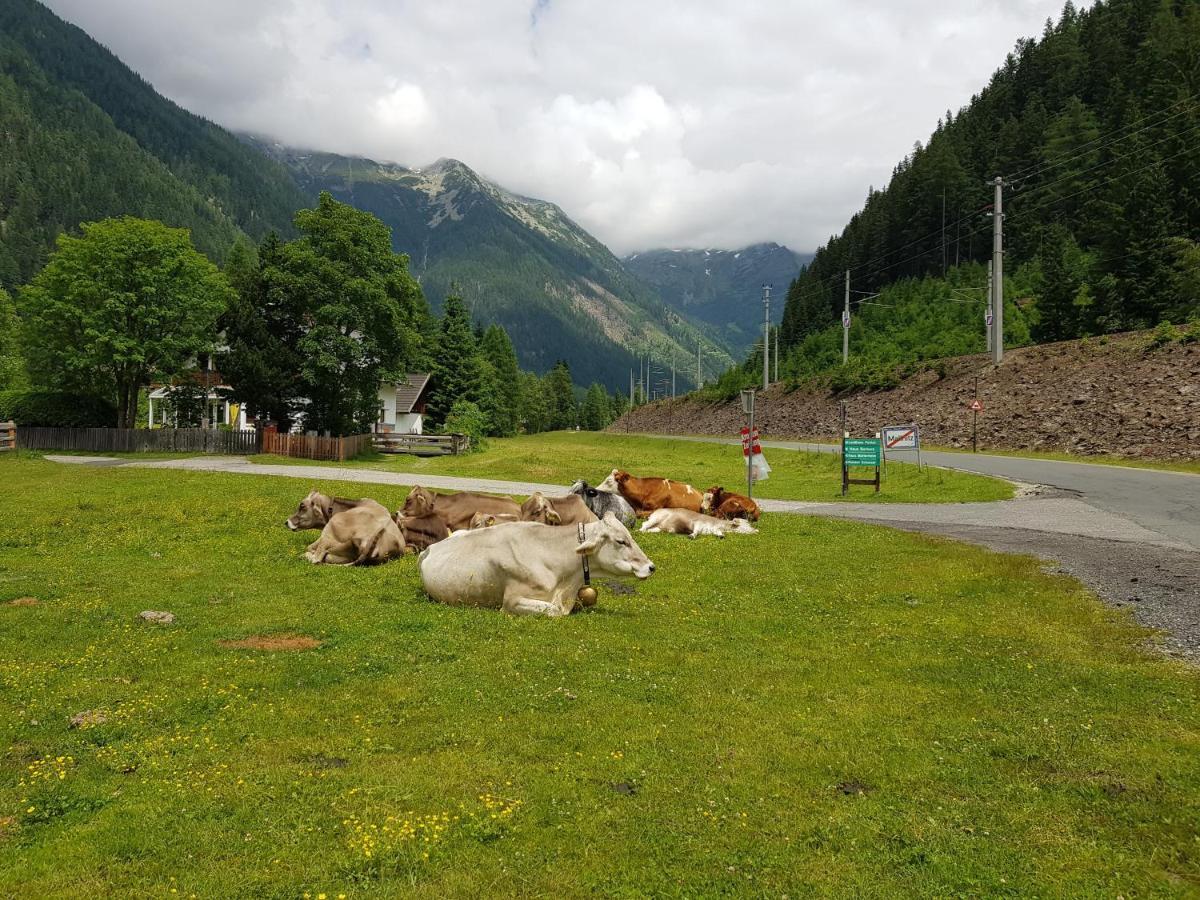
<point x="665" y="123"/>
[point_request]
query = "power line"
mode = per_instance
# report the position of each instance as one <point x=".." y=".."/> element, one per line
<point x="1081" y="151"/>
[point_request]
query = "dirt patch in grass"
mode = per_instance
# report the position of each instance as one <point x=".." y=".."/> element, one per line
<point x="854" y="788"/>
<point x="272" y="642"/>
<point x="8" y="824"/>
<point x="23" y="601"/>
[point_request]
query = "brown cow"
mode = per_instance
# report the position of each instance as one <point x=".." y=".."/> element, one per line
<point x="487" y="520"/>
<point x="421" y="531"/>
<point x="724" y="505"/>
<point x="567" y="510"/>
<point x="648" y="494"/>
<point x="317" y="509"/>
<point x="456" y="510"/>
<point x="359" y="536"/>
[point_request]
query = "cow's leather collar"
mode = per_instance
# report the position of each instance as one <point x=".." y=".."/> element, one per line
<point x="587" y="569"/>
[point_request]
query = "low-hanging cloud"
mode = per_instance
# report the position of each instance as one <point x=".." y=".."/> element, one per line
<point x="653" y="124"/>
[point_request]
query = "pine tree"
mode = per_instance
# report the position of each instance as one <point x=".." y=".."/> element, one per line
<point x="498" y="350"/>
<point x="457" y="373"/>
<point x="560" y="396"/>
<point x="533" y="411"/>
<point x="595" y="414"/>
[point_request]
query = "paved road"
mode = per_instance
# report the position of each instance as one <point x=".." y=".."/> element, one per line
<point x="1164" y="502"/>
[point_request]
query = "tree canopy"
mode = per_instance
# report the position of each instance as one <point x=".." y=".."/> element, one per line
<point x="127" y="301"/>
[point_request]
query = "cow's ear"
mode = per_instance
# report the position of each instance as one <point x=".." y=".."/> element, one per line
<point x="589" y="545"/>
<point x="327" y="509"/>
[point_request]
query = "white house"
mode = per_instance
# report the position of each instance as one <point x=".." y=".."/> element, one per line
<point x="402" y="405"/>
<point x="219" y="410"/>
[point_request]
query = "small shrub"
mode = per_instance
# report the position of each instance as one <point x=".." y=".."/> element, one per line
<point x="467" y="418"/>
<point x="57" y="409"/>
<point x="1164" y="334"/>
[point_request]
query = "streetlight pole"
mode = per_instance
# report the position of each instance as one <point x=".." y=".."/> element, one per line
<point x="998" y="272"/>
<point x="766" y="289"/>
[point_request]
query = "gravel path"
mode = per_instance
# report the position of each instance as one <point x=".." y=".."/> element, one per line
<point x="1155" y="575"/>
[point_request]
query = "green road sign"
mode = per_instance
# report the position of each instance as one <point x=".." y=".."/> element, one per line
<point x="861" y="451"/>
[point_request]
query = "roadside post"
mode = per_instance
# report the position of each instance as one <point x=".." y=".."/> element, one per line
<point x="749" y="439"/>
<point x="976" y="409"/>
<point x="860" y="452"/>
<point x="902" y="437"/>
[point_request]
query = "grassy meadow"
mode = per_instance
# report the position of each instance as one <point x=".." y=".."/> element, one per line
<point x="561" y="457"/>
<point x="826" y="708"/>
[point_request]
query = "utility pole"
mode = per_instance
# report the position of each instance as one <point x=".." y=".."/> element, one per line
<point x="846" y="323"/>
<point x="989" y="308"/>
<point x="777" y="355"/>
<point x="766" y="289"/>
<point x="699" y="377"/>
<point x="998" y="272"/>
<point x="672" y="372"/>
<point x="631" y="387"/>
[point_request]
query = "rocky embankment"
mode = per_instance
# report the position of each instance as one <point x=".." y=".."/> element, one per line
<point x="1119" y="396"/>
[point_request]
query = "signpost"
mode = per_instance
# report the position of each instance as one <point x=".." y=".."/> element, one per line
<point x="902" y="437"/>
<point x="749" y="439"/>
<point x="860" y="452"/>
<point x="976" y="409"/>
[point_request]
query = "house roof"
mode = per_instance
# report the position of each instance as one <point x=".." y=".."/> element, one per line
<point x="409" y="391"/>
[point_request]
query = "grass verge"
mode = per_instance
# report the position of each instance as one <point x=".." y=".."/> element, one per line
<point x="563" y="456"/>
<point x="826" y="709"/>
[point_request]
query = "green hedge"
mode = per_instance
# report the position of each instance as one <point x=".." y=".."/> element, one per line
<point x="57" y="409"/>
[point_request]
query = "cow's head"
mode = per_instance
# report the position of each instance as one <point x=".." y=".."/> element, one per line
<point x="481" y="520"/>
<point x="419" y="503"/>
<point x="538" y="509"/>
<point x="612" y="484"/>
<point x="581" y="488"/>
<point x="713" y="498"/>
<point x="314" y="511"/>
<point x="612" y="549"/>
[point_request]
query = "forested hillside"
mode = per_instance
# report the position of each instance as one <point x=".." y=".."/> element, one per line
<point x="83" y="137"/>
<point x="721" y="287"/>
<point x="516" y="261"/>
<point x="1095" y="128"/>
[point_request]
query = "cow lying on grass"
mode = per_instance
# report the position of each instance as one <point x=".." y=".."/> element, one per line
<point x="648" y="494"/>
<point x="602" y="502"/>
<point x="526" y="568"/>
<point x="421" y="531"/>
<point x="360" y="536"/>
<point x="456" y="510"/>
<point x="724" y="505"/>
<point x="684" y="521"/>
<point x="317" y="509"/>
<point x="568" y="510"/>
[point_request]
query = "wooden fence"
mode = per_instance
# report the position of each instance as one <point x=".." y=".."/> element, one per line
<point x="8" y="436"/>
<point x="305" y="447"/>
<point x="422" y="444"/>
<point x="139" y="440"/>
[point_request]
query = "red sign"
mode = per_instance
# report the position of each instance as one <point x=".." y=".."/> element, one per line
<point x="976" y="405"/>
<point x="750" y="442"/>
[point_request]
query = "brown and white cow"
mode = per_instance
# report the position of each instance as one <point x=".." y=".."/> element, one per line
<point x="648" y="494"/>
<point x="724" y="505"/>
<point x="456" y="510"/>
<point x="526" y="568"/>
<point x="360" y="536"/>
<point x="317" y="509"/>
<point x="684" y="521"/>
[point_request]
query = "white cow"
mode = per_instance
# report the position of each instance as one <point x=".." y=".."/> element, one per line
<point x="684" y="521"/>
<point x="527" y="568"/>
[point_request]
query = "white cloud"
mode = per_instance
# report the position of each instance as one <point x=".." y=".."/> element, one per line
<point x="665" y="124"/>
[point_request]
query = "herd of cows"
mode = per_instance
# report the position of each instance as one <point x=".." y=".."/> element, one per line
<point x="530" y="558"/>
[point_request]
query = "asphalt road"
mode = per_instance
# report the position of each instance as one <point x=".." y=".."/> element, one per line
<point x="1164" y="502"/>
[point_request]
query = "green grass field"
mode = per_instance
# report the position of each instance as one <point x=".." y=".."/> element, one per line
<point x="562" y="457"/>
<point x="823" y="709"/>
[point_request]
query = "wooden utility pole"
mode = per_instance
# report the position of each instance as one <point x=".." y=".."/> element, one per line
<point x="998" y="272"/>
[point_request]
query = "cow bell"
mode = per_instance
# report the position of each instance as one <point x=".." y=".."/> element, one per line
<point x="587" y="596"/>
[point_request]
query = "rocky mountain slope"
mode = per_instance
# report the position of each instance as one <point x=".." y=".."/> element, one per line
<point x="518" y="261"/>
<point x="1123" y="396"/>
<point x="722" y="287"/>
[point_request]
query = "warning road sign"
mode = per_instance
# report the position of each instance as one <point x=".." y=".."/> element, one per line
<point x="976" y="406"/>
